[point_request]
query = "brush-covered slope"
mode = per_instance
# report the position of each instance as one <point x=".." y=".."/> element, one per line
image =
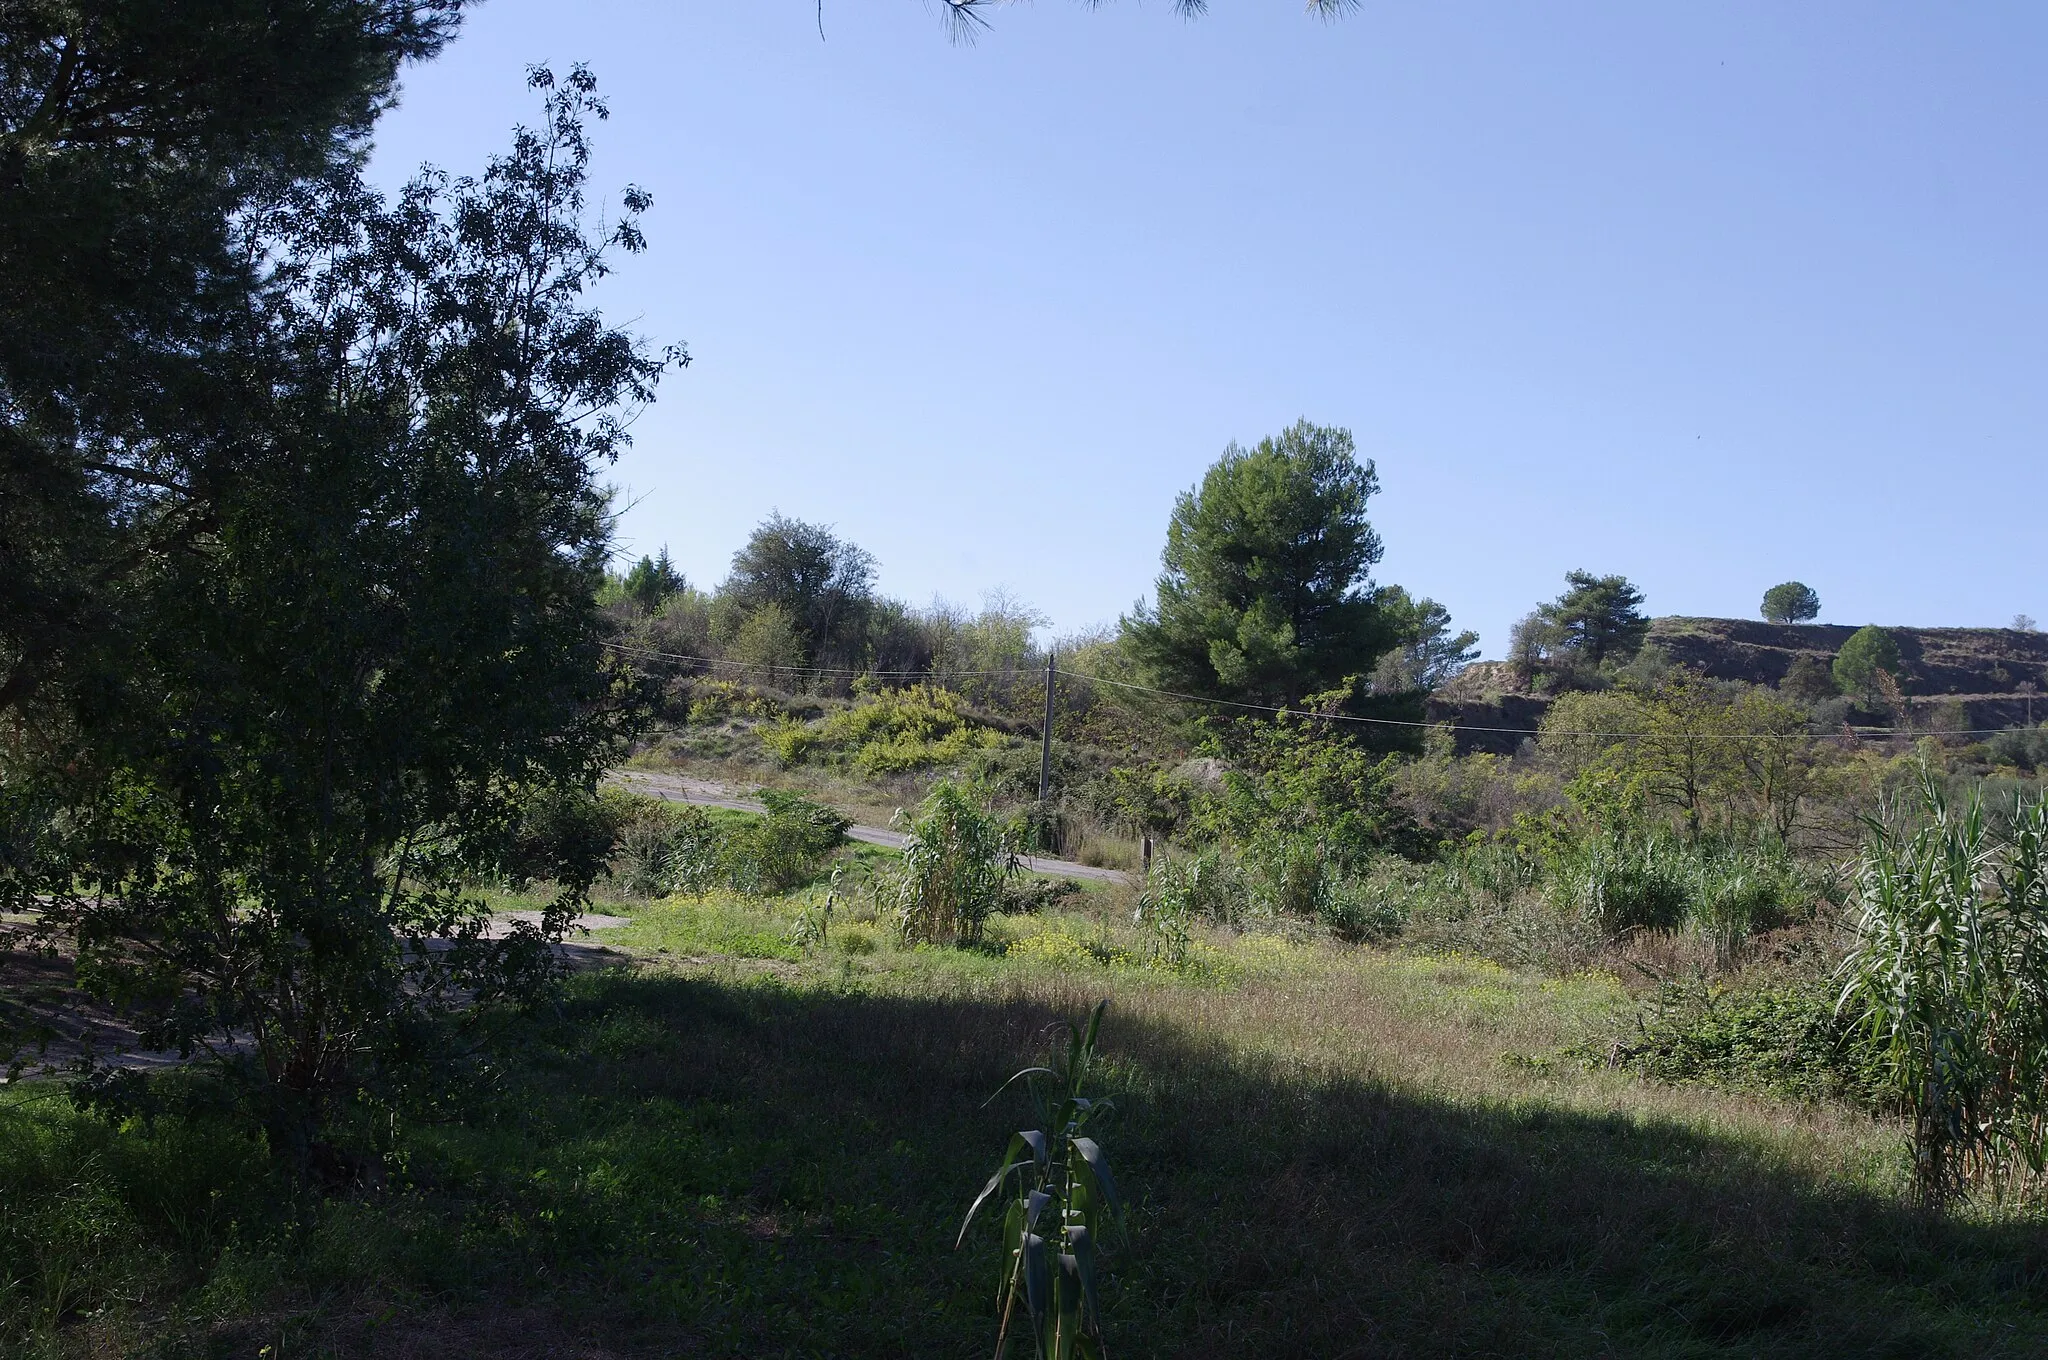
<point x="1995" y="677"/>
<point x="1970" y="662"/>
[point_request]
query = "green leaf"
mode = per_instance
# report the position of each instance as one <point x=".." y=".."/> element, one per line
<point x="1094" y="1167"/>
<point x="1068" y="1316"/>
<point x="1014" y="1077"/>
<point x="989" y="1189"/>
<point x="1035" y="1140"/>
<point x="1081" y="1251"/>
<point x="1031" y="1257"/>
<point x="1094" y="1026"/>
<point x="1034" y="1205"/>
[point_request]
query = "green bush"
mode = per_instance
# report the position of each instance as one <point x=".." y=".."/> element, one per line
<point x="1657" y="882"/>
<point x="2024" y="748"/>
<point x="1499" y="868"/>
<point x="785" y="849"/>
<point x="558" y="828"/>
<point x="893" y="732"/>
<point x="716" y="700"/>
<point x="1809" y="679"/>
<point x="1869" y="650"/>
<point x="788" y="740"/>
<point x="1621" y="883"/>
<point x="1786" y="1040"/>
<point x="1184" y="889"/>
<point x="955" y="864"/>
<point x="673" y="848"/>
<point x="95" y="1217"/>
<point x="1363" y="910"/>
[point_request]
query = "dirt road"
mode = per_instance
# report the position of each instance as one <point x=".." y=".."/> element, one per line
<point x="679" y="788"/>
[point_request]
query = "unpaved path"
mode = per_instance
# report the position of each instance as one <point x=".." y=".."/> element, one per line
<point x="682" y="788"/>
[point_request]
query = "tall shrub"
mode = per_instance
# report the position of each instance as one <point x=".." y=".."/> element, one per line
<point x="1950" y="976"/>
<point x="955" y="863"/>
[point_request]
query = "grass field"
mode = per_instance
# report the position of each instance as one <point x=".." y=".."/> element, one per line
<point x="729" y="1145"/>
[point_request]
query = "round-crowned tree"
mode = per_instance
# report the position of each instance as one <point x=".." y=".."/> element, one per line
<point x="1792" y="602"/>
<point x="1870" y="649"/>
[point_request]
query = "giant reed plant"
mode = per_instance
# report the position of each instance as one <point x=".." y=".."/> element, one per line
<point x="956" y="859"/>
<point x="1061" y="1195"/>
<point x="1950" y="976"/>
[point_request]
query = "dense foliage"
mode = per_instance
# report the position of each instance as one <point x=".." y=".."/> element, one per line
<point x="144" y="145"/>
<point x="1950" y="979"/>
<point x="1578" y="639"/>
<point x="1265" y="595"/>
<point x="1792" y="602"/>
<point x="377" y="642"/>
<point x="1869" y="654"/>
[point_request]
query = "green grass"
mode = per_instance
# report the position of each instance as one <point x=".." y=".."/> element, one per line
<point x="743" y="1148"/>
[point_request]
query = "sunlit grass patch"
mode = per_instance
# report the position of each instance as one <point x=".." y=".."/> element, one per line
<point x="716" y="924"/>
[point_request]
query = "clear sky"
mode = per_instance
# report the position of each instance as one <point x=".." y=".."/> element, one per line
<point x="1712" y="295"/>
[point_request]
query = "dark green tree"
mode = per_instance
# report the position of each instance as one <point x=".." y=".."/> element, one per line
<point x="1869" y="650"/>
<point x="652" y="580"/>
<point x="384" y="647"/>
<point x="1581" y="636"/>
<point x="826" y="585"/>
<point x="1427" y="653"/>
<point x="1265" y="596"/>
<point x="140" y="142"/>
<point x="1792" y="602"/>
<point x="1600" y="617"/>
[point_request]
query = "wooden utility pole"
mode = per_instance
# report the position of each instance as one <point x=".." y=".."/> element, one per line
<point x="1045" y="736"/>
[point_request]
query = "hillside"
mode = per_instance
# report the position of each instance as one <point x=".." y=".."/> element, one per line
<point x="1986" y="664"/>
<point x="1999" y="676"/>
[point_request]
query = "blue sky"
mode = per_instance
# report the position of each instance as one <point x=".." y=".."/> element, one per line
<point x="1712" y="295"/>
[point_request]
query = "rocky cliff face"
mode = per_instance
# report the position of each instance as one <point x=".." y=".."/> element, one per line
<point x="1996" y="677"/>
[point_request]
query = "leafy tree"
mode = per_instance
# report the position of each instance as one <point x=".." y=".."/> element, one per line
<point x="1778" y="759"/>
<point x="1869" y="653"/>
<point x="1631" y="750"/>
<point x="384" y="648"/>
<point x="987" y="655"/>
<point x="1791" y="602"/>
<point x="1687" y="746"/>
<point x="825" y="584"/>
<point x="770" y="641"/>
<point x="652" y="580"/>
<point x="141" y="143"/>
<point x="1299" y="780"/>
<point x="1428" y="654"/>
<point x="1265" y="595"/>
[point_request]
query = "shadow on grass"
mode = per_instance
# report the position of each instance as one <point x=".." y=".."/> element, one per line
<point x="683" y="1166"/>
